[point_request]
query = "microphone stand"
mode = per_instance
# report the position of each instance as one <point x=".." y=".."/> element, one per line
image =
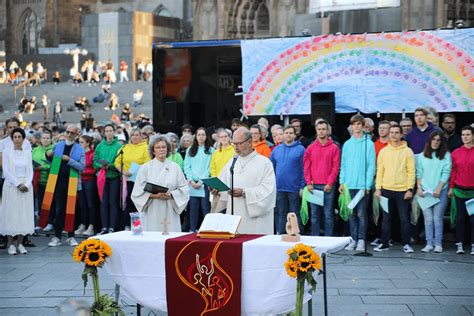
<point x="120" y="154"/>
<point x="232" y="187"/>
<point x="365" y="253"/>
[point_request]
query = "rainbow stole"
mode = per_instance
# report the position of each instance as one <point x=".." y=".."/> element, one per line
<point x="51" y="185"/>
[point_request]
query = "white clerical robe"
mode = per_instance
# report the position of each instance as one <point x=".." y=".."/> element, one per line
<point x="253" y="173"/>
<point x="153" y="211"/>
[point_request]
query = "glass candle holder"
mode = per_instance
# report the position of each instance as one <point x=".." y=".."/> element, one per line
<point x="136" y="223"/>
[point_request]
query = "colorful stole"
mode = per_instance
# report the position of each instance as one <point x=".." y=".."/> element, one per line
<point x="203" y="276"/>
<point x="51" y="185"/>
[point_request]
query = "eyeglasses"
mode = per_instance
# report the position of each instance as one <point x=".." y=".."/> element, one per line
<point x="70" y="133"/>
<point x="404" y="126"/>
<point x="240" y="143"/>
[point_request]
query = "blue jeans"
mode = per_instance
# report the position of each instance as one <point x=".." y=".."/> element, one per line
<point x="358" y="219"/>
<point x="286" y="202"/>
<point x="434" y="219"/>
<point x="197" y="204"/>
<point x="109" y="208"/>
<point x="403" y="213"/>
<point x="88" y="201"/>
<point x="328" y="209"/>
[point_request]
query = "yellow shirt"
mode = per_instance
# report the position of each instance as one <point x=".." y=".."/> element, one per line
<point x="220" y="158"/>
<point x="133" y="153"/>
<point x="395" y="168"/>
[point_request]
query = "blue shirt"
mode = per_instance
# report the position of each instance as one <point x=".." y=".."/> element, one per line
<point x="288" y="164"/>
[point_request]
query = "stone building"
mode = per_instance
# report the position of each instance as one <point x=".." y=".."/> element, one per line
<point x="213" y="19"/>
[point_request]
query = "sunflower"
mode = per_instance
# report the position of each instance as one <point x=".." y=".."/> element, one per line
<point x="303" y="250"/>
<point x="291" y="268"/>
<point x="94" y="258"/>
<point x="78" y="253"/>
<point x="106" y="249"/>
<point x="304" y="264"/>
<point x="315" y="261"/>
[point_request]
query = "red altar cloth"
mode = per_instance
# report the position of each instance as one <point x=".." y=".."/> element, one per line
<point x="203" y="276"/>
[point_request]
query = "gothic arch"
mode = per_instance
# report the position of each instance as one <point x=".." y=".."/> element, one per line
<point x="248" y="19"/>
<point x="28" y="31"/>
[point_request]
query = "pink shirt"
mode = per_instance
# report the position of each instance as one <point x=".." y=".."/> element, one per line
<point x="322" y="163"/>
<point x="462" y="172"/>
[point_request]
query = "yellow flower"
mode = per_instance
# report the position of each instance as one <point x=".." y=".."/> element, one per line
<point x="304" y="264"/>
<point x="78" y="253"/>
<point x="291" y="268"/>
<point x="94" y="258"/>
<point x="315" y="261"/>
<point x="106" y="249"/>
<point x="303" y="250"/>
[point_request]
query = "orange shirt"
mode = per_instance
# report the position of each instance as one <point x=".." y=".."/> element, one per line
<point x="378" y="146"/>
<point x="262" y="148"/>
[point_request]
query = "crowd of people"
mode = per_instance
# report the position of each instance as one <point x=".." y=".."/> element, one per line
<point x="372" y="182"/>
<point x="90" y="72"/>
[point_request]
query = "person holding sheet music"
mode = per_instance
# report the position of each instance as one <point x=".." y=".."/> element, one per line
<point x="134" y="154"/>
<point x="461" y="187"/>
<point x="322" y="161"/>
<point x="197" y="167"/>
<point x="433" y="168"/>
<point x="254" y="186"/>
<point x="357" y="175"/>
<point x="394" y="181"/>
<point x="104" y="158"/>
<point x="159" y="209"/>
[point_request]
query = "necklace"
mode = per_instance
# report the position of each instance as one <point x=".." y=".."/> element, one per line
<point x="244" y="164"/>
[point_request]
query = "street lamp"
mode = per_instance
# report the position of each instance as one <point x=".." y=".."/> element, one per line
<point x="75" y="56"/>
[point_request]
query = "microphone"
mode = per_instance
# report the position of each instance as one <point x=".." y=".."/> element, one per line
<point x="233" y="163"/>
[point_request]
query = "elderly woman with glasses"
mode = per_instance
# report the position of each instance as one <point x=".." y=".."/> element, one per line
<point x="158" y="209"/>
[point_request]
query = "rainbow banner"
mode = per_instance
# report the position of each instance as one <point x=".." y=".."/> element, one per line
<point x="381" y="72"/>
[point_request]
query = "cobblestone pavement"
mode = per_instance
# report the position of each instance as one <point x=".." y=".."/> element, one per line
<point x="391" y="283"/>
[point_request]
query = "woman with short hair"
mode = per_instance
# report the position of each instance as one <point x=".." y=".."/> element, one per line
<point x="155" y="208"/>
<point x="17" y="211"/>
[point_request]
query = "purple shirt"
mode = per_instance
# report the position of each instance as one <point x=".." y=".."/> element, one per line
<point x="417" y="139"/>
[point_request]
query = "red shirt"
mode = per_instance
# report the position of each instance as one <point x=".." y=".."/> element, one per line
<point x="89" y="171"/>
<point x="379" y="146"/>
<point x="462" y="171"/>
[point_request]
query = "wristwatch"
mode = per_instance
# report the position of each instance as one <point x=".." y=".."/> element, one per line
<point x="243" y="193"/>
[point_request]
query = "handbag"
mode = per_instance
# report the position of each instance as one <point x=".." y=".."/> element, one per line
<point x="155" y="188"/>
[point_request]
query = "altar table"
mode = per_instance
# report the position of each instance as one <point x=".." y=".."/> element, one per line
<point x="138" y="266"/>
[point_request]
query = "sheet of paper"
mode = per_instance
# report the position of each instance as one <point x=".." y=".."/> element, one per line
<point x="317" y="197"/>
<point x="384" y="204"/>
<point x="134" y="171"/>
<point x="427" y="201"/>
<point x="196" y="192"/>
<point x="470" y="207"/>
<point x="356" y="199"/>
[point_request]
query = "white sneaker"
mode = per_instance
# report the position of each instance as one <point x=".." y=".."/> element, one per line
<point x="427" y="248"/>
<point x="376" y="242"/>
<point x="407" y="248"/>
<point x="22" y="250"/>
<point x="460" y="250"/>
<point x="48" y="228"/>
<point x="71" y="242"/>
<point x="438" y="249"/>
<point x="351" y="245"/>
<point x="55" y="241"/>
<point x="12" y="250"/>
<point x="80" y="230"/>
<point x="89" y="231"/>
<point x="360" y="245"/>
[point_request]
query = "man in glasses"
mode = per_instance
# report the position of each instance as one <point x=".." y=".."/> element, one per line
<point x="449" y="127"/>
<point x="68" y="160"/>
<point x="254" y="186"/>
<point x="407" y="125"/>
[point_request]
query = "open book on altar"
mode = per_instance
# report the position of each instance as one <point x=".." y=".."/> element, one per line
<point x="219" y="225"/>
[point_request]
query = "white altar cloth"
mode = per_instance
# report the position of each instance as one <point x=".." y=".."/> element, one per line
<point x="138" y="266"/>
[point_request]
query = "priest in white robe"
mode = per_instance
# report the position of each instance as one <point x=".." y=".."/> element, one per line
<point x="254" y="186"/>
<point x="155" y="208"/>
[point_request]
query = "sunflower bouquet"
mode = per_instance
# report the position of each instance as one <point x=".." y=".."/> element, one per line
<point x="93" y="253"/>
<point x="302" y="262"/>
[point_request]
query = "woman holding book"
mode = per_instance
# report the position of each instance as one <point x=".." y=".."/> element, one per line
<point x="433" y="168"/>
<point x="163" y="208"/>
